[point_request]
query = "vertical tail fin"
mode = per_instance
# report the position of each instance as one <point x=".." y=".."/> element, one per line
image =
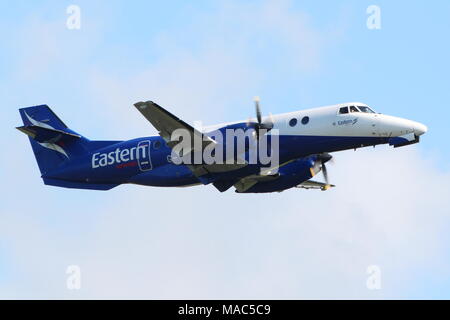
<point x="41" y="116"/>
<point x="52" y="141"/>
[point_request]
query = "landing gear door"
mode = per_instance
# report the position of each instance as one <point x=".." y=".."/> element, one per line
<point x="143" y="156"/>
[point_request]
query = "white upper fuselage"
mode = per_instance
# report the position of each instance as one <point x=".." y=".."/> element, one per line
<point x="330" y="121"/>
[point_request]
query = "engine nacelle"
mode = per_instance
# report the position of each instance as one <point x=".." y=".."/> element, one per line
<point x="290" y="175"/>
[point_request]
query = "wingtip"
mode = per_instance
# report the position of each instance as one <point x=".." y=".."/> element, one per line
<point x="142" y="105"/>
<point x="138" y="104"/>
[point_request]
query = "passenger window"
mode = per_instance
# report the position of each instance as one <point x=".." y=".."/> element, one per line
<point x="157" y="144"/>
<point x="293" y="122"/>
<point x="305" y="120"/>
<point x="343" y="110"/>
<point x="353" y="109"/>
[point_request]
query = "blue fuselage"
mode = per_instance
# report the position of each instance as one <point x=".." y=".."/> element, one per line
<point x="147" y="160"/>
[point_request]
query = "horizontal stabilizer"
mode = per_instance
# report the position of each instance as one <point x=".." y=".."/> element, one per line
<point x="42" y="134"/>
<point x="53" y="143"/>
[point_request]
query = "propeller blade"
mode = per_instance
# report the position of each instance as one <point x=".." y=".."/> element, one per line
<point x="323" y="158"/>
<point x="258" y="110"/>
<point x="325" y="173"/>
<point x="268" y="122"/>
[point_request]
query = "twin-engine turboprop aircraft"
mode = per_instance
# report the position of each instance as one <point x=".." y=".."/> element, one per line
<point x="268" y="154"/>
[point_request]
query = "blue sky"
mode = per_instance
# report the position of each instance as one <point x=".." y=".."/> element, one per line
<point x="400" y="69"/>
<point x="205" y="60"/>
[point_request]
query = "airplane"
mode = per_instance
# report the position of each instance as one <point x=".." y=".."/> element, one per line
<point x="304" y="139"/>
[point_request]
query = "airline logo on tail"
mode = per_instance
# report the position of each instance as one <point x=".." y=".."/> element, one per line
<point x="48" y="145"/>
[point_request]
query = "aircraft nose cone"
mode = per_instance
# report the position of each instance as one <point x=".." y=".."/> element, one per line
<point x="419" y="128"/>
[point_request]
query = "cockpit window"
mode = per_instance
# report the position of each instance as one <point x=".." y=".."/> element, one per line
<point x="365" y="109"/>
<point x="353" y="109"/>
<point x="343" y="110"/>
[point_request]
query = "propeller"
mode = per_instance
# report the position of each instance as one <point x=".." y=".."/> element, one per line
<point x="267" y="124"/>
<point x="323" y="158"/>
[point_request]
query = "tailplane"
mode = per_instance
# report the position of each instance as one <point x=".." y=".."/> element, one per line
<point x="52" y="141"/>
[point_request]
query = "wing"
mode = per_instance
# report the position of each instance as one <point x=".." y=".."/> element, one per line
<point x="166" y="123"/>
<point x="248" y="182"/>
